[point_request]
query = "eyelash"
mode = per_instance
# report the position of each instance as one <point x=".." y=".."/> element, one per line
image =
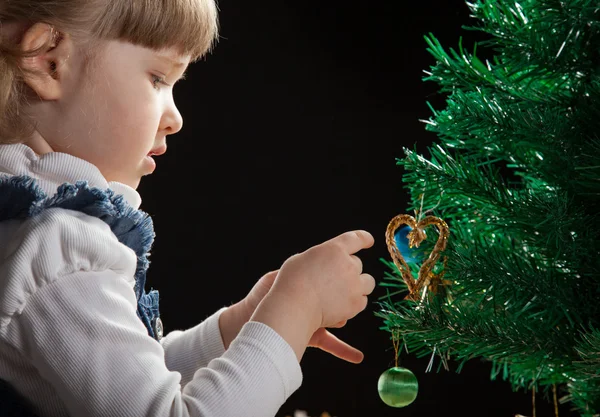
<point x="158" y="79"/>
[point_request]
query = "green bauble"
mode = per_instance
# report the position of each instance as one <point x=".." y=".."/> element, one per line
<point x="398" y="387"/>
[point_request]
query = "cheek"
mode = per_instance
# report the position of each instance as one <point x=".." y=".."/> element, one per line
<point x="133" y="112"/>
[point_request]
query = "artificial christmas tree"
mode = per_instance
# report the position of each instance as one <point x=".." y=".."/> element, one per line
<point x="515" y="175"/>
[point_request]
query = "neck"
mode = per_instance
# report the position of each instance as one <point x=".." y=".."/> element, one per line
<point x="38" y="144"/>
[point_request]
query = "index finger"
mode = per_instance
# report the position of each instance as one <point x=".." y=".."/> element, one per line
<point x="356" y="240"/>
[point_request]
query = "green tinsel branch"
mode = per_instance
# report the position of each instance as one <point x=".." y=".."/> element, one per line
<point x="516" y="175"/>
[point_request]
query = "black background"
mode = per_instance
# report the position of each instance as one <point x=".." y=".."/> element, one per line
<point x="292" y="127"/>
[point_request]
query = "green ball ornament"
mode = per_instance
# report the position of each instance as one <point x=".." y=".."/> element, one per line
<point x="398" y="387"/>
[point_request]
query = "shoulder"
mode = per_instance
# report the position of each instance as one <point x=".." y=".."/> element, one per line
<point x="54" y="243"/>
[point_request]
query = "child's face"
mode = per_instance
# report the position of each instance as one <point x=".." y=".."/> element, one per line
<point x="114" y="116"/>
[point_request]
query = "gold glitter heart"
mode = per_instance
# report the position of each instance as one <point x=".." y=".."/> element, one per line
<point x="426" y="276"/>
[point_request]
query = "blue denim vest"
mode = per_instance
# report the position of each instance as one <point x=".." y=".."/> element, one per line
<point x="21" y="198"/>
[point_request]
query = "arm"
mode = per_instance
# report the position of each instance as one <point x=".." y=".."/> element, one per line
<point x="231" y="322"/>
<point x="188" y="350"/>
<point x="102" y="361"/>
<point x="289" y="318"/>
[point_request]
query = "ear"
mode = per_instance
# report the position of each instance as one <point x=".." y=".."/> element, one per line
<point x="50" y="64"/>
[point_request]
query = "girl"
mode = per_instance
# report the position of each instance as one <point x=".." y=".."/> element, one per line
<point x="85" y="102"/>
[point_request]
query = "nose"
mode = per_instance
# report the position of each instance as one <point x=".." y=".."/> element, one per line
<point x="172" y="121"/>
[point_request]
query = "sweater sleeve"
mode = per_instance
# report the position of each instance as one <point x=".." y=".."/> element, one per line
<point x="82" y="333"/>
<point x="68" y="307"/>
<point x="188" y="350"/>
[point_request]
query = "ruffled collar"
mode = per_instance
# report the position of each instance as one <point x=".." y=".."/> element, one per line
<point x="30" y="184"/>
<point x="55" y="168"/>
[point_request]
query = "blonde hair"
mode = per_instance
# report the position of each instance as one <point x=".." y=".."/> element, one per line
<point x="190" y="26"/>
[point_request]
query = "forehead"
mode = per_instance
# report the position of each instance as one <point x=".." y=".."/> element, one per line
<point x="173" y="56"/>
<point x="128" y="51"/>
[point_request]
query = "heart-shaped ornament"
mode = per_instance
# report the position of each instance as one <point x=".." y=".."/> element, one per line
<point x="426" y="278"/>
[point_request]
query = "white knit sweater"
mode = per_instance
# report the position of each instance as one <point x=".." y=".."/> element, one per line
<point x="70" y="339"/>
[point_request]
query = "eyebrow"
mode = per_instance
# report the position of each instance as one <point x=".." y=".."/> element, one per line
<point x="176" y="63"/>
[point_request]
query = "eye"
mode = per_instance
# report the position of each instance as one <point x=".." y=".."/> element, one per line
<point x="158" y="80"/>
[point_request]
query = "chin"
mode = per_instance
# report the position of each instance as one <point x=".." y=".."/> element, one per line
<point x="133" y="184"/>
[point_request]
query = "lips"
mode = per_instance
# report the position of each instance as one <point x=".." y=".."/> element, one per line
<point x="158" y="151"/>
